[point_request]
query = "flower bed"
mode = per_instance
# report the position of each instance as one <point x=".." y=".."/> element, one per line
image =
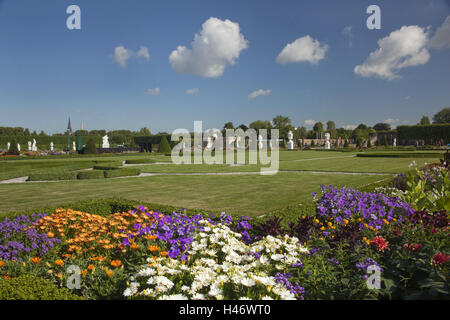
<point x="331" y="253"/>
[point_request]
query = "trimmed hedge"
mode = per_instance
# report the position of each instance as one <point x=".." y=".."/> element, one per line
<point x="30" y="287"/>
<point x="106" y="166"/>
<point x="52" y="176"/>
<point x="125" y="172"/>
<point x="92" y="174"/>
<point x="139" y="161"/>
<point x="400" y="155"/>
<point x="430" y="132"/>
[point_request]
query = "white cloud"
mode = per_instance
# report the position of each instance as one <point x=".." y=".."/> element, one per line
<point x="350" y="127"/>
<point x="403" y="48"/>
<point x="259" y="92"/>
<point x="304" y="49"/>
<point x="121" y="55"/>
<point x="309" y="122"/>
<point x="192" y="91"/>
<point x="143" y="53"/>
<point x="441" y="38"/>
<point x="153" y="92"/>
<point x="348" y="33"/>
<point x="391" y="121"/>
<point x="218" y="45"/>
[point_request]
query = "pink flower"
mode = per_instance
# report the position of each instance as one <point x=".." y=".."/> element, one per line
<point x="440" y="258"/>
<point x="380" y="243"/>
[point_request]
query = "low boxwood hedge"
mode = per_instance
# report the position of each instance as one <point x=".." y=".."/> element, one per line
<point x="400" y="155"/>
<point x="30" y="287"/>
<point x="122" y="172"/>
<point x="52" y="176"/>
<point x="92" y="174"/>
<point x="139" y="161"/>
<point x="106" y="167"/>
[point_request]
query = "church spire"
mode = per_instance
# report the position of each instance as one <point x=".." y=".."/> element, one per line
<point x="69" y="127"/>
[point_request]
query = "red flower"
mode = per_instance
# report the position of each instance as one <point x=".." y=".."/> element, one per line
<point x="412" y="246"/>
<point x="380" y="243"/>
<point x="440" y="258"/>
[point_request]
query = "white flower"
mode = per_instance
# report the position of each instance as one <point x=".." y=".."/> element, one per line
<point x="266" y="298"/>
<point x="173" y="297"/>
<point x="248" y="282"/>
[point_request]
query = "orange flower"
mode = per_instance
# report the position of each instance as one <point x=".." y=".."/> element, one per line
<point x="67" y="255"/>
<point x="116" y="263"/>
<point x="1" y="263"/>
<point x="6" y="277"/>
<point x="134" y="246"/>
<point x="84" y="272"/>
<point x="50" y="234"/>
<point x="59" y="262"/>
<point x="36" y="260"/>
<point x="109" y="272"/>
<point x="151" y="237"/>
<point x="163" y="253"/>
<point x="91" y="267"/>
<point x="153" y="248"/>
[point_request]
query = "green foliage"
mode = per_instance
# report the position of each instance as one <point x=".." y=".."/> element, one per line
<point x="399" y="154"/>
<point x="425" y="120"/>
<point x="164" y="146"/>
<point x="442" y="116"/>
<point x="139" y="161"/>
<point x="122" y="172"/>
<point x="52" y="176"/>
<point x="13" y="150"/>
<point x="91" y="174"/>
<point x="430" y="133"/>
<point x="90" y="147"/>
<point x="30" y="287"/>
<point x="113" y="165"/>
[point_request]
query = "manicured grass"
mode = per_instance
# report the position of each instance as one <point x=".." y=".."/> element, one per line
<point x="244" y="194"/>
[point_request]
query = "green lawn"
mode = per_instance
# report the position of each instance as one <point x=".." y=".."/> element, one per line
<point x="243" y="194"/>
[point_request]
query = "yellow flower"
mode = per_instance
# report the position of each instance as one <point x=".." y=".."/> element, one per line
<point x="163" y="253"/>
<point x="59" y="262"/>
<point x="330" y="224"/>
<point x="345" y="221"/>
<point x="316" y="221"/>
<point x="153" y="248"/>
<point x="322" y="228"/>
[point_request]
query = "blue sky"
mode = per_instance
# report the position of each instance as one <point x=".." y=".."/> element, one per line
<point x="48" y="73"/>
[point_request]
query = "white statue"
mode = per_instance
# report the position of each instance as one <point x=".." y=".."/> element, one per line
<point x="51" y="146"/>
<point x="29" y="146"/>
<point x="18" y="146"/>
<point x="74" y="147"/>
<point x="238" y="139"/>
<point x="260" y="143"/>
<point x="290" y="143"/>
<point x="327" y="141"/>
<point x="8" y="145"/>
<point x="230" y="142"/>
<point x="209" y="144"/>
<point x="394" y="144"/>
<point x="34" y="147"/>
<point x="105" y="143"/>
<point x="270" y="143"/>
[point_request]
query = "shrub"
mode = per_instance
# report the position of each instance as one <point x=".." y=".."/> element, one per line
<point x="94" y="174"/>
<point x="90" y="147"/>
<point x="52" y="176"/>
<point x="30" y="287"/>
<point x="13" y="150"/>
<point x="122" y="172"/>
<point x="106" y="167"/>
<point x="139" y="161"/>
<point x="164" y="146"/>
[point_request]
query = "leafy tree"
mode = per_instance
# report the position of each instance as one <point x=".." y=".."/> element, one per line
<point x="13" y="150"/>
<point x="164" y="146"/>
<point x="301" y="133"/>
<point x="228" y="125"/>
<point x="318" y="127"/>
<point x="331" y="128"/>
<point x="260" y="124"/>
<point x="26" y="132"/>
<point x="382" y="126"/>
<point x="145" y="131"/>
<point x="362" y="126"/>
<point x="283" y="124"/>
<point x="442" y="116"/>
<point x="90" y="147"/>
<point x="425" y="120"/>
<point x="243" y="127"/>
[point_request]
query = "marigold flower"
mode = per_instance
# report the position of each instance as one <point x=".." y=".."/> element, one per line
<point x="84" y="272"/>
<point x="36" y="260"/>
<point x="153" y="248"/>
<point x="50" y="234"/>
<point x="163" y="253"/>
<point x="116" y="263"/>
<point x="109" y="272"/>
<point x="1" y="263"/>
<point x="59" y="262"/>
<point x="91" y="267"/>
<point x="134" y="246"/>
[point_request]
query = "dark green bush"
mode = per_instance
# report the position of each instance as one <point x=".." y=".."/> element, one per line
<point x="30" y="287"/>
<point x="140" y="161"/>
<point x="13" y="150"/>
<point x="52" y="176"/>
<point x="164" y="146"/>
<point x="430" y="133"/>
<point x="90" y="148"/>
<point x="122" y="172"/>
<point x="400" y="155"/>
<point x="92" y="174"/>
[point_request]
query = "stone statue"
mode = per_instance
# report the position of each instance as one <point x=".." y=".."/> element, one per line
<point x="260" y="143"/>
<point x="74" y="147"/>
<point x="29" y="146"/>
<point x="290" y="143"/>
<point x="8" y="145"/>
<point x="105" y="143"/>
<point x="209" y="144"/>
<point x="34" y="147"/>
<point x="18" y="146"/>
<point x="51" y="146"/>
<point x="394" y="144"/>
<point x="238" y="139"/>
<point x="327" y="141"/>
